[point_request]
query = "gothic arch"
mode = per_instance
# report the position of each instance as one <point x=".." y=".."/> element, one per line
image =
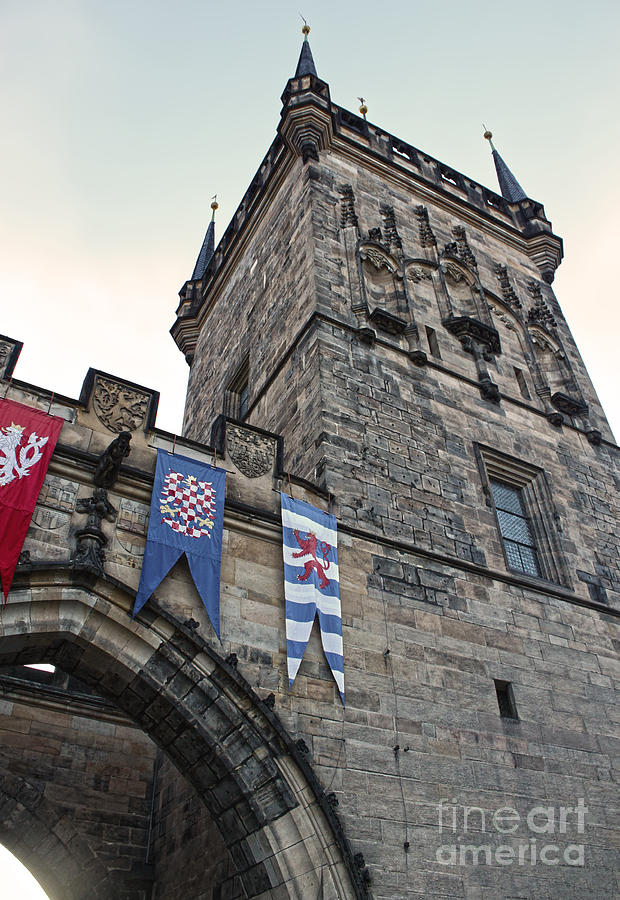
<point x="461" y="288"/>
<point x="257" y="786"/>
<point x="421" y="283"/>
<point x="46" y="843"/>
<point x="381" y="278"/>
<point x="552" y="361"/>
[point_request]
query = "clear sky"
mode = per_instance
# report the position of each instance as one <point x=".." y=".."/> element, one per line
<point x="122" y="119"/>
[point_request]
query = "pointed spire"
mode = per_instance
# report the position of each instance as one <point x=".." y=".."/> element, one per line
<point x="509" y="186"/>
<point x="208" y="246"/>
<point x="305" y="66"/>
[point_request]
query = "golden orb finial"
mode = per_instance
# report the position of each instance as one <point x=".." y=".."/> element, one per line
<point x="488" y="135"/>
<point x="214" y="206"/>
<point x="363" y="107"/>
<point x="305" y="30"/>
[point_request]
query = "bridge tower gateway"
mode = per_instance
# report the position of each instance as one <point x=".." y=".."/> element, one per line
<point x="377" y="334"/>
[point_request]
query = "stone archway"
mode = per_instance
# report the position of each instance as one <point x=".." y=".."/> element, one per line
<point x="257" y="786"/>
<point x="47" y="844"/>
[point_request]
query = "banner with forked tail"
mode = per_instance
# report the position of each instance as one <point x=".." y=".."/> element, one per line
<point x="187" y="517"/>
<point x="311" y="584"/>
<point x="27" y="440"/>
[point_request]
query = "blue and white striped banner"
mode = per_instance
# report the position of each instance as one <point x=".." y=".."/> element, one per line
<point x="311" y="584"/>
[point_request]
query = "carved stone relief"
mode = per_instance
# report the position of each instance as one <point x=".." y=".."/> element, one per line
<point x="50" y="519"/>
<point x="453" y="274"/>
<point x="378" y="260"/>
<point x="119" y="407"/>
<point x="508" y="292"/>
<point x="502" y="317"/>
<point x="347" y="207"/>
<point x="58" y="493"/>
<point x="416" y="274"/>
<point x="133" y="517"/>
<point x="5" y="353"/>
<point x="252" y="453"/>
<point x="541" y="314"/>
<point x="427" y="238"/>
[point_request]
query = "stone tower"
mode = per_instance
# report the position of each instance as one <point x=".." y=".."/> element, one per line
<point x="376" y="334"/>
<point x="394" y="323"/>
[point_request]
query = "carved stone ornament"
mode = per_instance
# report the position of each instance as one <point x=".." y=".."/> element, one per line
<point x="110" y="461"/>
<point x="502" y="317"/>
<point x="347" y="206"/>
<point x="377" y="259"/>
<point x="540" y="314"/>
<point x="427" y="238"/>
<point x="452" y="273"/>
<point x="568" y="405"/>
<point x="89" y="552"/>
<point x="387" y="322"/>
<point x="464" y="250"/>
<point x="416" y="274"/>
<point x="118" y="406"/>
<point x="466" y="326"/>
<point x="508" y="292"/>
<point x="541" y="342"/>
<point x="5" y="352"/>
<point x="252" y="453"/>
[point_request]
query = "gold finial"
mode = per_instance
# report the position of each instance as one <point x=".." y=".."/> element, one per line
<point x="306" y="28"/>
<point x="214" y="205"/>
<point x="363" y="107"/>
<point x="488" y="135"/>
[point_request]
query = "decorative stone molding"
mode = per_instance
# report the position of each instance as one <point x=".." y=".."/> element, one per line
<point x="568" y="405"/>
<point x="386" y="321"/>
<point x="464" y="250"/>
<point x="253" y="453"/>
<point x="118" y="406"/>
<point x="378" y="259"/>
<point x="392" y="236"/>
<point x="417" y="274"/>
<point x="508" y="292"/>
<point x="501" y="315"/>
<point x="427" y="238"/>
<point x="91" y="539"/>
<point x="466" y="326"/>
<point x="539" y="313"/>
<point x="9" y="354"/>
<point x="348" y="216"/>
<point x="366" y="336"/>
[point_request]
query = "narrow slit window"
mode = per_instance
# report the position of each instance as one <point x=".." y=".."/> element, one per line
<point x="236" y="395"/>
<point x="505" y="699"/>
<point x="433" y="343"/>
<point x="522" y="383"/>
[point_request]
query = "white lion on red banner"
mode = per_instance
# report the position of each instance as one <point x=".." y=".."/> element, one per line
<point x="10" y="445"/>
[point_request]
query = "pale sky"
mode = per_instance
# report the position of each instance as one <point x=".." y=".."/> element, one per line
<point x="122" y="119"/>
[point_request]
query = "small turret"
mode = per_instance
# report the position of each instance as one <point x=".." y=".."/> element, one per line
<point x="508" y="184"/>
<point x="208" y="246"/>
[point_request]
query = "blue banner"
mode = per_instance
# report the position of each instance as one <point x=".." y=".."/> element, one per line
<point x="187" y="516"/>
<point x="311" y="584"/>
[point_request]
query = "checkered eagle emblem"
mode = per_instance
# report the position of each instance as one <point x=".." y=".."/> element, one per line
<point x="187" y="505"/>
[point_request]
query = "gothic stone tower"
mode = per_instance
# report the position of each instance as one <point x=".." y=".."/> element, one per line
<point x="394" y="323"/>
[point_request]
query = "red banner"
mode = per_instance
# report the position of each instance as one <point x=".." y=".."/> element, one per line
<point x="27" y="440"/>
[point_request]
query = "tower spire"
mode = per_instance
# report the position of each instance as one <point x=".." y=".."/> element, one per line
<point x="208" y="245"/>
<point x="305" y="65"/>
<point x="509" y="186"/>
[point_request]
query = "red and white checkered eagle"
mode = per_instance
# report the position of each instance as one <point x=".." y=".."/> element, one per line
<point x="189" y="504"/>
